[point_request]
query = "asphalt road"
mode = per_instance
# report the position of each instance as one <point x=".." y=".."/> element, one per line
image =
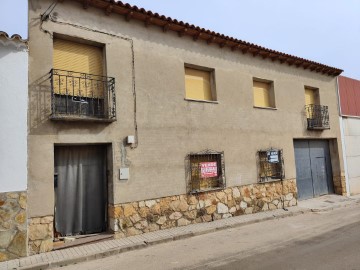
<point x="320" y="240"/>
<point x="337" y="249"/>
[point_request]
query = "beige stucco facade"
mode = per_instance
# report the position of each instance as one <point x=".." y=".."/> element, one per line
<point x="169" y="127"/>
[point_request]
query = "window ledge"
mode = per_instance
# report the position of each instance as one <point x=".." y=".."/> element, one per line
<point x="206" y="190"/>
<point x="265" y="108"/>
<point x="270" y="181"/>
<point x="75" y="118"/>
<point x="201" y="100"/>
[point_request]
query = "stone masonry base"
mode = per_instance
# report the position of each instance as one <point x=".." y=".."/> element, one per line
<point x="151" y="215"/>
<point x="40" y="234"/>
<point x="13" y="236"/>
<point x="340" y="185"/>
<point x="139" y="217"/>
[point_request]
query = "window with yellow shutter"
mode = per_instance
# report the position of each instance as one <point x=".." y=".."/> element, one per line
<point x="309" y="96"/>
<point x="263" y="94"/>
<point x="311" y="101"/>
<point x="317" y="115"/>
<point x="79" y="87"/>
<point x="78" y="58"/>
<point x="199" y="84"/>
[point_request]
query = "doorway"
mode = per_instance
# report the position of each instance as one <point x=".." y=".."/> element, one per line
<point x="80" y="189"/>
<point x="313" y="168"/>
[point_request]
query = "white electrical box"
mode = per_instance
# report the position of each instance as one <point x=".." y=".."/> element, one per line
<point x="124" y="173"/>
<point x="130" y="139"/>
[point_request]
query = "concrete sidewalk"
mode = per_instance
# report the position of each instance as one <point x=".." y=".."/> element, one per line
<point x="112" y="247"/>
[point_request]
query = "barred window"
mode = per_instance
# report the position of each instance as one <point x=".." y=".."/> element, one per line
<point x="206" y="171"/>
<point x="270" y="165"/>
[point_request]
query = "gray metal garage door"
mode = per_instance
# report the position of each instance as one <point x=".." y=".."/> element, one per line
<point x="313" y="168"/>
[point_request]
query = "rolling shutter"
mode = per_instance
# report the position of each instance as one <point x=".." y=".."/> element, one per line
<point x="261" y="94"/>
<point x="78" y="57"/>
<point x="197" y="84"/>
<point x="309" y="96"/>
<point x="309" y="100"/>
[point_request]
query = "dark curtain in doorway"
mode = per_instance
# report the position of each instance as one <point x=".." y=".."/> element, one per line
<point x="80" y="189"/>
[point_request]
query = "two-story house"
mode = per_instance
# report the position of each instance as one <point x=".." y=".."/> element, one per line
<point x="139" y="122"/>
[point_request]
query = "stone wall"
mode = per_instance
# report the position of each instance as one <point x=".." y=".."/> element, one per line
<point x="340" y="185"/>
<point x="13" y="240"/>
<point x="163" y="213"/>
<point x="40" y="234"/>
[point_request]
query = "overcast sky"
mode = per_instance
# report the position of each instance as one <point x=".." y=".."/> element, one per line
<point x="326" y="31"/>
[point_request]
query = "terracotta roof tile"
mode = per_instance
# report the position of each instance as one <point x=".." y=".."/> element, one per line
<point x="14" y="37"/>
<point x="210" y="36"/>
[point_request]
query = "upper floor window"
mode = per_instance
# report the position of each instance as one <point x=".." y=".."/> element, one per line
<point x="311" y="96"/>
<point x="78" y="57"/>
<point x="317" y="115"/>
<point x="199" y="84"/>
<point x="264" y="96"/>
<point x="79" y="88"/>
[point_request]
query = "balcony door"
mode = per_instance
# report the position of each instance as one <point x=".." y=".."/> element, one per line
<point x="80" y="189"/>
<point x="78" y="82"/>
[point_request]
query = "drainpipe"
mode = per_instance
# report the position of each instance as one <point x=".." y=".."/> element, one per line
<point x="342" y="134"/>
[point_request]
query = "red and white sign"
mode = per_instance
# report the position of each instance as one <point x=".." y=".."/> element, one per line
<point x="208" y="169"/>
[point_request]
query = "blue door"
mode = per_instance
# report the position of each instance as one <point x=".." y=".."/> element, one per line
<point x="313" y="168"/>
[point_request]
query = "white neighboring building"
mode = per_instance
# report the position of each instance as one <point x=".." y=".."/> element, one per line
<point x="13" y="113"/>
<point x="349" y="100"/>
<point x="13" y="146"/>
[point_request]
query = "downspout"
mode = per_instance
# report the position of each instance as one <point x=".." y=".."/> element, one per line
<point x="343" y="145"/>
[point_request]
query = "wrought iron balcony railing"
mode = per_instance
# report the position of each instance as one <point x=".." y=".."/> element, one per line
<point x="317" y="116"/>
<point x="81" y="96"/>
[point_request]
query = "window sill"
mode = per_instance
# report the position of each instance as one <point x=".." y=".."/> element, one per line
<point x="206" y="190"/>
<point x="270" y="181"/>
<point x="265" y="108"/>
<point x="200" y="100"/>
<point x="75" y="118"/>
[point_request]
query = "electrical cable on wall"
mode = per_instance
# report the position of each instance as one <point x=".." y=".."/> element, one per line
<point x="47" y="15"/>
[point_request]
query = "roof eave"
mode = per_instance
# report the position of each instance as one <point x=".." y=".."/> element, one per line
<point x="210" y="37"/>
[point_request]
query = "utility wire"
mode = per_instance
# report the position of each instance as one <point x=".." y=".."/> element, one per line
<point x="48" y="16"/>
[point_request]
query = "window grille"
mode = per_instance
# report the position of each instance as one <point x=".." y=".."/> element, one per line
<point x="205" y="171"/>
<point x="270" y="165"/>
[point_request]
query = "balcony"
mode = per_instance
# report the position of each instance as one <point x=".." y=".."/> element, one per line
<point x="317" y="117"/>
<point x="82" y="97"/>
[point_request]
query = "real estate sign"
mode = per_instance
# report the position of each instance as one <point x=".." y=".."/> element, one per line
<point x="208" y="169"/>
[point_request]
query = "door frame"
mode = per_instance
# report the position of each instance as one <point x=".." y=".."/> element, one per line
<point x="329" y="164"/>
<point x="108" y="172"/>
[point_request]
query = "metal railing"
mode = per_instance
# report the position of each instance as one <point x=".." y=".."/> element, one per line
<point x="317" y="116"/>
<point x="76" y="95"/>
